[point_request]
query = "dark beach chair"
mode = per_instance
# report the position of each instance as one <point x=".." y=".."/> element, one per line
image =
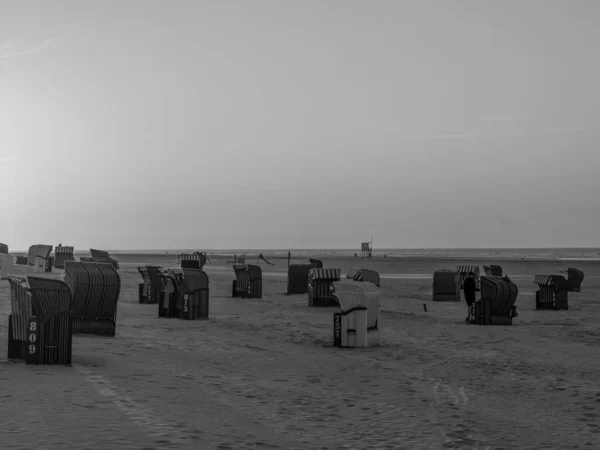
<point x="492" y="270"/>
<point x="96" y="288"/>
<point x="170" y="281"/>
<point x="497" y="303"/>
<point x="4" y="248"/>
<point x="574" y="279"/>
<point x="297" y="282"/>
<point x="446" y="287"/>
<point x="192" y="295"/>
<point x="40" y="324"/>
<point x="320" y="287"/>
<point x="316" y="263"/>
<point x="100" y="256"/>
<point x="553" y="292"/>
<point x="63" y="254"/>
<point x="248" y="282"/>
<point x="150" y="287"/>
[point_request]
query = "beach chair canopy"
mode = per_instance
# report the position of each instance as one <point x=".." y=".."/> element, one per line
<point x="357" y="274"/>
<point x="502" y="293"/>
<point x="324" y="274"/>
<point x="493" y="270"/>
<point x="467" y="268"/>
<point x="99" y="253"/>
<point x="195" y="279"/>
<point x="356" y="295"/>
<point x="316" y="263"/>
<point x="38" y="250"/>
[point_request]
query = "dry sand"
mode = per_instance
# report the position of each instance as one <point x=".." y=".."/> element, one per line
<point x="262" y="373"/>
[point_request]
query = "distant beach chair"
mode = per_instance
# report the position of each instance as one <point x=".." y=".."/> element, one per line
<point x="358" y="324"/>
<point x="6" y="264"/>
<point x="100" y="256"/>
<point x="42" y="265"/>
<point x="171" y="279"/>
<point x="62" y="254"/>
<point x="194" y="260"/>
<point x="96" y="288"/>
<point x="553" y="292"/>
<point x="40" y="326"/>
<point x="463" y="272"/>
<point x="150" y="287"/>
<point x="4" y="248"/>
<point x="358" y="274"/>
<point x="316" y="263"/>
<point x="248" y="282"/>
<point x="574" y="279"/>
<point x="38" y="250"/>
<point x="21" y="260"/>
<point x="192" y="296"/>
<point x="297" y="282"/>
<point x="497" y="303"/>
<point x="320" y="287"/>
<point x="446" y="286"/>
<point x="492" y="270"/>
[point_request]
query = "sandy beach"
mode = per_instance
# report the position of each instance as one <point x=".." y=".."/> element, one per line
<point x="262" y="373"/>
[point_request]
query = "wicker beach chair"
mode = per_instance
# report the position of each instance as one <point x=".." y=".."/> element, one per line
<point x="320" y="287"/>
<point x="497" y="303"/>
<point x="248" y="282"/>
<point x="574" y="279"/>
<point x="297" y="282"/>
<point x="150" y="287"/>
<point x="358" y="324"/>
<point x="553" y="292"/>
<point x="446" y="286"/>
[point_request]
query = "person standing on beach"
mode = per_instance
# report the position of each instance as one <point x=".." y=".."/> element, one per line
<point x="470" y="287"/>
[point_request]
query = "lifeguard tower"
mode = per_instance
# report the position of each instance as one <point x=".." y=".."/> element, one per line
<point x="366" y="249"/>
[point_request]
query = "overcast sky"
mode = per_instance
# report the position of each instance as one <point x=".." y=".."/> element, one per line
<point x="299" y="124"/>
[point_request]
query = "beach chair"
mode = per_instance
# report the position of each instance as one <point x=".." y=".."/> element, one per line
<point x="463" y="272"/>
<point x="553" y="292"/>
<point x="358" y="324"/>
<point x="574" y="279"/>
<point x="492" y="270"/>
<point x="4" y="249"/>
<point x="297" y="282"/>
<point x="248" y="282"/>
<point x="6" y="265"/>
<point x="150" y="287"/>
<point x="194" y="260"/>
<point x="96" y="288"/>
<point x="42" y="265"/>
<point x="358" y="274"/>
<point x="62" y="254"/>
<point x="38" y="250"/>
<point x="100" y="256"/>
<point x="40" y="327"/>
<point x="320" y="287"/>
<point x="192" y="296"/>
<point x="170" y="279"/>
<point x="22" y="260"/>
<point x="446" y="287"/>
<point x="497" y="303"/>
<point x="316" y="263"/>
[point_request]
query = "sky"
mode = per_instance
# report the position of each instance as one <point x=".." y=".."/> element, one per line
<point x="280" y="124"/>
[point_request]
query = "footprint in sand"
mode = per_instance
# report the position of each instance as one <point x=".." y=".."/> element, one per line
<point x="442" y="391"/>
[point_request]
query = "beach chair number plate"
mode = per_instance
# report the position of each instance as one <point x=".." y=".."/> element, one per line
<point x="32" y="356"/>
<point x="185" y="302"/>
<point x="337" y="330"/>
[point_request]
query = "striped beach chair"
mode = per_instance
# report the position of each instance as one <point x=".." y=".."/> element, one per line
<point x="463" y="272"/>
<point x="446" y="287"/>
<point x="40" y="324"/>
<point x="492" y="270"/>
<point x="574" y="279"/>
<point x="497" y="303"/>
<point x="96" y="288"/>
<point x="297" y="282"/>
<point x="194" y="260"/>
<point x="62" y="254"/>
<point x="553" y="292"/>
<point x="248" y="281"/>
<point x="320" y="287"/>
<point x="358" y="274"/>
<point x="150" y="287"/>
<point x="358" y="324"/>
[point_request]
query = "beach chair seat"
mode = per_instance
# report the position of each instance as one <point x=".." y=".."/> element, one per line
<point x="150" y="287"/>
<point x="358" y="274"/>
<point x="358" y="324"/>
<point x="446" y="286"/>
<point x="297" y="282"/>
<point x="497" y="303"/>
<point x="553" y="292"/>
<point x="574" y="279"/>
<point x="248" y="281"/>
<point x="40" y="324"/>
<point x="320" y="287"/>
<point x="96" y="288"/>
